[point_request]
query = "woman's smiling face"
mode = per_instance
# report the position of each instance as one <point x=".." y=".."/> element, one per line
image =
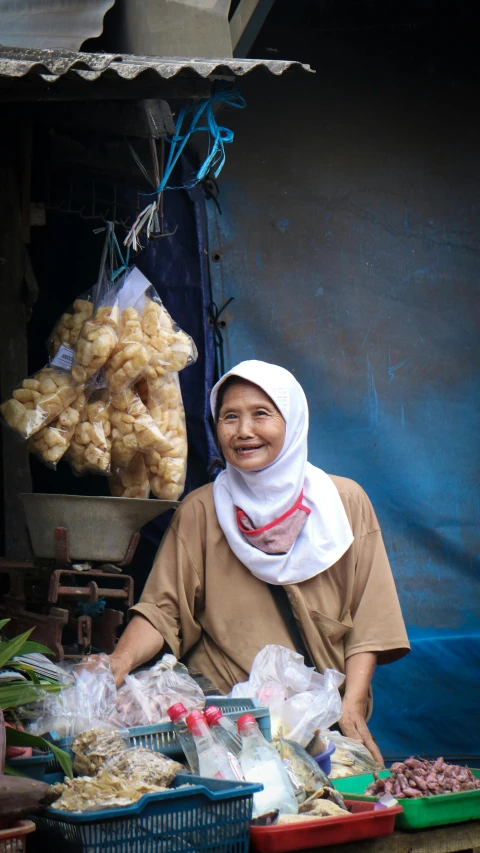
<point x="250" y="429"/>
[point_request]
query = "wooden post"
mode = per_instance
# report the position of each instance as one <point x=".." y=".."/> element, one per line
<point x="15" y="469"/>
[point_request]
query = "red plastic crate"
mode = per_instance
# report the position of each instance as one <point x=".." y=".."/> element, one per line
<point x="363" y="822"/>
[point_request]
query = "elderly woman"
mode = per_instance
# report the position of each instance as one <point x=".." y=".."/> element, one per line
<point x="275" y="551"/>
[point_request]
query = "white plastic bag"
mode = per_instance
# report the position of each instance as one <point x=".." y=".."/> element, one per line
<point x="147" y="695"/>
<point x="301" y="701"/>
<point x="87" y="701"/>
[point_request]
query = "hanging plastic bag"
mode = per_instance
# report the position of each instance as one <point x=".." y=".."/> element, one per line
<point x="39" y="400"/>
<point x="97" y="339"/>
<point x="90" y="447"/>
<point x="131" y="481"/>
<point x="87" y="700"/>
<point x="166" y="469"/>
<point x="350" y="757"/>
<point x="66" y="331"/>
<point x="301" y="701"/>
<point x="51" y="442"/>
<point x="145" y="697"/>
<point x="133" y="429"/>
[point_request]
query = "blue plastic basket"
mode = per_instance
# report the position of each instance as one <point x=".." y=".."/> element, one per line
<point x="34" y="767"/>
<point x="211" y="816"/>
<point x="162" y="738"/>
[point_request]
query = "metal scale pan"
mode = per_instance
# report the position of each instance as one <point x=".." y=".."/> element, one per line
<point x="100" y="529"/>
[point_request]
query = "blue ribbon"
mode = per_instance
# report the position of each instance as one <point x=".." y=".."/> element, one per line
<point x="218" y="136"/>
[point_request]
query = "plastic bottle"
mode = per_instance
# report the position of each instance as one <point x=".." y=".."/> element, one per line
<point x="178" y="715"/>
<point x="214" y="760"/>
<point x="224" y="731"/>
<point x="261" y="762"/>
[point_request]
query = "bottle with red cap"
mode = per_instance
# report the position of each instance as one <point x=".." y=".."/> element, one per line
<point x="260" y="762"/>
<point x="224" y="731"/>
<point x="178" y="715"/>
<point x="214" y="760"/>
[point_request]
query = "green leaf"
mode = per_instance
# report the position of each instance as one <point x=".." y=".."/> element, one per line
<point x="3" y="622"/>
<point x="14" y="694"/>
<point x="30" y="646"/>
<point x="12" y="771"/>
<point x="11" y="648"/>
<point x="16" y="738"/>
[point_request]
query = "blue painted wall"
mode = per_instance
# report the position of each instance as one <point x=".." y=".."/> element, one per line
<point x="350" y="241"/>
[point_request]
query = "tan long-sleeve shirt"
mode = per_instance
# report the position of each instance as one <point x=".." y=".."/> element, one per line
<point x="213" y="613"/>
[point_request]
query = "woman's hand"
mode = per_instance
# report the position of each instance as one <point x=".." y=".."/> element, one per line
<point x="359" y="671"/>
<point x="120" y="667"/>
<point x="352" y="724"/>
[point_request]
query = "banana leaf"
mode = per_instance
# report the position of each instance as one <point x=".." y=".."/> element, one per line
<point x="16" y="738"/>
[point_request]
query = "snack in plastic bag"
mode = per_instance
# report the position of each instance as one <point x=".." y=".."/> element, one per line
<point x="51" y="442"/>
<point x="39" y="400"/>
<point x="96" y="342"/>
<point x="350" y="757"/>
<point x="133" y="429"/>
<point x="171" y="349"/>
<point x="90" y="447"/>
<point x="301" y="701"/>
<point x="145" y="766"/>
<point x="67" y="330"/>
<point x="130" y="356"/>
<point x="103" y="791"/>
<point x="166" y="469"/>
<point x="95" y="747"/>
<point x="145" y="697"/>
<point x="131" y="481"/>
<point x="88" y="699"/>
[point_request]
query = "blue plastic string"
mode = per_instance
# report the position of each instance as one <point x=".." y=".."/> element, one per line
<point x="219" y="136"/>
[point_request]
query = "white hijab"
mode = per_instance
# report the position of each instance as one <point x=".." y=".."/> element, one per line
<point x="265" y="495"/>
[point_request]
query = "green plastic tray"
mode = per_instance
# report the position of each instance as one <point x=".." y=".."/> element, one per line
<point x="437" y="810"/>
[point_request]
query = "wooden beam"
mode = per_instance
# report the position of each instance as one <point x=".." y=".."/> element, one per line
<point x="15" y="468"/>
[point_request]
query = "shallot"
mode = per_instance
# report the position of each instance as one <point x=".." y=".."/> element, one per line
<point x="417" y="777"/>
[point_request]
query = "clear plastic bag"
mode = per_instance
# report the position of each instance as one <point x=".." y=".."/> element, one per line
<point x="90" y="447"/>
<point x="95" y="747"/>
<point x="146" y="696"/>
<point x="130" y="356"/>
<point x="350" y="757"/>
<point x="52" y="442"/>
<point x="145" y="766"/>
<point x="301" y="701"/>
<point x="97" y="338"/>
<point x="39" y="400"/>
<point x="67" y="329"/>
<point x="166" y="469"/>
<point x="131" y="481"/>
<point x="87" y="700"/>
<point x="133" y="429"/>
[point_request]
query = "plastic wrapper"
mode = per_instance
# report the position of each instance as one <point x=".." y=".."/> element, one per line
<point x="144" y="698"/>
<point x="350" y="757"/>
<point x="301" y="701"/>
<point x="95" y="747"/>
<point x="145" y="766"/>
<point x="97" y="340"/>
<point x="39" y="400"/>
<point x="132" y="481"/>
<point x="67" y="330"/>
<point x="90" y="446"/>
<point x="51" y="442"/>
<point x="133" y="429"/>
<point x="87" y="700"/>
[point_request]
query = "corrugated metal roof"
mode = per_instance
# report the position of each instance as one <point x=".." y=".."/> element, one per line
<point x="51" y="65"/>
